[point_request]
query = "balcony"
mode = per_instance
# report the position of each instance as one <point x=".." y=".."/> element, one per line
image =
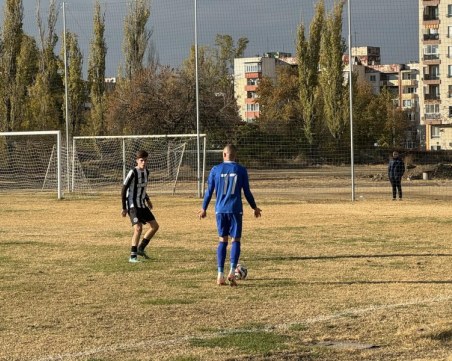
<point x="431" y="21"/>
<point x="432" y="79"/>
<point x="430" y="2"/>
<point x="409" y="82"/>
<point x="432" y="98"/>
<point x="250" y="88"/>
<point x="431" y="39"/>
<point x="389" y="83"/>
<point x="432" y="118"/>
<point x="252" y="115"/>
<point x="407" y="96"/>
<point x="253" y="75"/>
<point x="431" y="59"/>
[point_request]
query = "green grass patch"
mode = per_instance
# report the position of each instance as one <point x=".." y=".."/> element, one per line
<point x="184" y="358"/>
<point x="255" y="342"/>
<point x="298" y="327"/>
<point x="168" y="301"/>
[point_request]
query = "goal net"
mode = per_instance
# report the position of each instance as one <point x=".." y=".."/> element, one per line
<point x="105" y="161"/>
<point x="26" y="158"/>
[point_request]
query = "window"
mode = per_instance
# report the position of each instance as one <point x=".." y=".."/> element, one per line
<point x="253" y="67"/>
<point x="252" y="107"/>
<point x="409" y="90"/>
<point x="409" y="76"/>
<point x="449" y="10"/>
<point x="373" y="78"/>
<point x="435" y="132"/>
<point x="433" y="49"/>
<point x="432" y="108"/>
<point x="450" y="111"/>
<point x="407" y="103"/>
<point x="449" y="71"/>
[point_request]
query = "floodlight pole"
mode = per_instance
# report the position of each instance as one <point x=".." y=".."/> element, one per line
<point x="350" y="82"/>
<point x="66" y="97"/>
<point x="198" y="145"/>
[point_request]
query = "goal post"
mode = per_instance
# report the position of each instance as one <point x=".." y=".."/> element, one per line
<point x="25" y="159"/>
<point x="105" y="160"/>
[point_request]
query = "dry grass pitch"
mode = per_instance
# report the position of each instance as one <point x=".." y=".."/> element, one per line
<point x="328" y="280"/>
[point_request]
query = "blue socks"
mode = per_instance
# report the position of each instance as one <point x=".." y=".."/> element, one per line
<point x="221" y="255"/>
<point x="235" y="254"/>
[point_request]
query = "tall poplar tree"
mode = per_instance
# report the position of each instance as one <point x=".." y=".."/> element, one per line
<point x="308" y="55"/>
<point x="27" y="69"/>
<point x="46" y="94"/>
<point x="96" y="73"/>
<point x="334" y="90"/>
<point x="136" y="36"/>
<point x="76" y="86"/>
<point x="11" y="39"/>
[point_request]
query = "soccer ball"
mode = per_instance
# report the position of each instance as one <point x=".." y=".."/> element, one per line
<point x="241" y="272"/>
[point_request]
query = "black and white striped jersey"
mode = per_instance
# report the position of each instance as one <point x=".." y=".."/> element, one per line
<point x="134" y="189"/>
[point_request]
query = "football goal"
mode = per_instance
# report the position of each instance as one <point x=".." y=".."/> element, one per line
<point x="30" y="159"/>
<point x="105" y="160"/>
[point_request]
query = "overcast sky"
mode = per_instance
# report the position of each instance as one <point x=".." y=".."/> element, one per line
<point x="270" y="25"/>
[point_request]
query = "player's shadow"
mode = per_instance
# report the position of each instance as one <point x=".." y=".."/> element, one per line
<point x="358" y="282"/>
<point x="276" y="282"/>
<point x="344" y="256"/>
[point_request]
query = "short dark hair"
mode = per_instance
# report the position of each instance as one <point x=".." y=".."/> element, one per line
<point x="141" y="154"/>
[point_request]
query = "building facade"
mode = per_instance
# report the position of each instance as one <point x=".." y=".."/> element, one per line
<point x="248" y="73"/>
<point x="435" y="90"/>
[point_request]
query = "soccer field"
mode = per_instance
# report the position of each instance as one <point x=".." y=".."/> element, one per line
<point x="327" y="280"/>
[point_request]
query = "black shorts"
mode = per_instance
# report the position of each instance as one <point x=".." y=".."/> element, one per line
<point x="140" y="215"/>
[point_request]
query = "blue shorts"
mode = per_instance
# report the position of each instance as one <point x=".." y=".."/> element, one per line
<point x="229" y="224"/>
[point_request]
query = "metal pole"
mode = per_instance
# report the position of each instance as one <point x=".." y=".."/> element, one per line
<point x="350" y="65"/>
<point x="66" y="108"/>
<point x="198" y="146"/>
<point x="60" y="194"/>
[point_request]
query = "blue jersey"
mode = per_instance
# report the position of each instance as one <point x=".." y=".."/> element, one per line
<point x="228" y="179"/>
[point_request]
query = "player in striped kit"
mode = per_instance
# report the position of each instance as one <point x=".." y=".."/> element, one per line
<point x="228" y="179"/>
<point x="134" y="199"/>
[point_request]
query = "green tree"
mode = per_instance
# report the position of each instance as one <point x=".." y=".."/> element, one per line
<point x="278" y="102"/>
<point x="76" y="85"/>
<point x="11" y="40"/>
<point x="27" y="69"/>
<point x="217" y="105"/>
<point x="46" y="94"/>
<point x="227" y="52"/>
<point x="96" y="74"/>
<point x="136" y="36"/>
<point x="152" y="102"/>
<point x="331" y="78"/>
<point x="308" y="56"/>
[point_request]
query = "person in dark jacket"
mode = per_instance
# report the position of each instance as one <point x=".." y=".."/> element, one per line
<point x="396" y="169"/>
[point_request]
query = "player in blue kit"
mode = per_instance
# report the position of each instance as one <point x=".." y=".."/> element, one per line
<point x="228" y="179"/>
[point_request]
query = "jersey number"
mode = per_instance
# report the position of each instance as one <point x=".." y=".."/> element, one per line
<point x="231" y="177"/>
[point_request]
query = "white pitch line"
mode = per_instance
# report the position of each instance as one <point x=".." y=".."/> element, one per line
<point x="176" y="340"/>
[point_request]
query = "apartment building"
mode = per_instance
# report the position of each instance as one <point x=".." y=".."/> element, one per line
<point x="435" y="90"/>
<point x="400" y="79"/>
<point x="248" y="72"/>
